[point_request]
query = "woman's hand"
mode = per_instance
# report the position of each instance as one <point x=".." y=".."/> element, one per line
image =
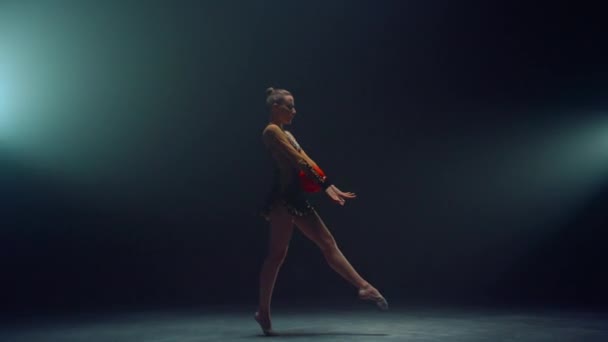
<point x="347" y="195"/>
<point x="338" y="195"/>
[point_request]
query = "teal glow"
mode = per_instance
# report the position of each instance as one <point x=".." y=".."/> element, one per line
<point x="71" y="85"/>
<point x="8" y="100"/>
<point x="3" y="97"/>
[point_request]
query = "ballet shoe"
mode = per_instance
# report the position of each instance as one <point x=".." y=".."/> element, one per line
<point x="265" y="327"/>
<point x="373" y="295"/>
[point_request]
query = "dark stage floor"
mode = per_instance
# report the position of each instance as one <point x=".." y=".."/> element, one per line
<point x="360" y="323"/>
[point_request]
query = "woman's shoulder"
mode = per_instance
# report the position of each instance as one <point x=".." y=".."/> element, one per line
<point x="271" y="128"/>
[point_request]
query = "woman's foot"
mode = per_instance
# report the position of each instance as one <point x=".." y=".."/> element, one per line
<point x="370" y="293"/>
<point x="264" y="322"/>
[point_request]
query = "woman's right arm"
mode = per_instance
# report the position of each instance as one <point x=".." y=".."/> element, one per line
<point x="278" y="143"/>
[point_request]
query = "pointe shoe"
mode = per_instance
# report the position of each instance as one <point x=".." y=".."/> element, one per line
<point x="373" y="295"/>
<point x="265" y="327"/>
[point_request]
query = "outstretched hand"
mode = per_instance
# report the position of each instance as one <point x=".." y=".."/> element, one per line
<point x="338" y="196"/>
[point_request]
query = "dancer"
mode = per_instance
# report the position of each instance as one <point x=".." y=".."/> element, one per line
<point x="296" y="174"/>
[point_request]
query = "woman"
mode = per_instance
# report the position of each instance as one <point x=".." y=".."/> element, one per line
<point x="295" y="174"/>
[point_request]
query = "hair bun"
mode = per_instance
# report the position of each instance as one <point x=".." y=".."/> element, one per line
<point x="269" y="91"/>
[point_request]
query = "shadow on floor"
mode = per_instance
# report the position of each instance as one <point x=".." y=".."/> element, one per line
<point x="294" y="333"/>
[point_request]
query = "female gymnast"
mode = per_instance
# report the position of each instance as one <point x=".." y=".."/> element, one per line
<point x="296" y="174"/>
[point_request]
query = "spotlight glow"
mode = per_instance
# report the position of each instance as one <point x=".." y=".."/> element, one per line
<point x="3" y="96"/>
<point x="4" y="99"/>
<point x="10" y="102"/>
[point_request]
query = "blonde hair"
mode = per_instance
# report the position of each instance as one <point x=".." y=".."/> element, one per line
<point x="275" y="96"/>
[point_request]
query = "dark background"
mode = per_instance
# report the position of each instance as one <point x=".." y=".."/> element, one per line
<point x="475" y="134"/>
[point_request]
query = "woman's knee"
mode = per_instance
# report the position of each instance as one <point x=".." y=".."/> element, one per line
<point x="327" y="244"/>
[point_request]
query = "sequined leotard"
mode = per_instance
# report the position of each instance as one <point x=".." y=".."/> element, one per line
<point x="289" y="159"/>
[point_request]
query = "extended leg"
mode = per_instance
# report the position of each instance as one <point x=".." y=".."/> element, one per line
<point x="315" y="229"/>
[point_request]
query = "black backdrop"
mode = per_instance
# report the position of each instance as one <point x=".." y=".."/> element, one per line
<point x="460" y="125"/>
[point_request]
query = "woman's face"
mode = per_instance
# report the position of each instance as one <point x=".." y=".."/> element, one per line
<point x="285" y="110"/>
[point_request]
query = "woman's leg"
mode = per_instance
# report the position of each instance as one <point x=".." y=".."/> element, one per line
<point x="281" y="229"/>
<point x="315" y="229"/>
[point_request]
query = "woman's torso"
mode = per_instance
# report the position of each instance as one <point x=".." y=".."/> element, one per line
<point x="286" y="174"/>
